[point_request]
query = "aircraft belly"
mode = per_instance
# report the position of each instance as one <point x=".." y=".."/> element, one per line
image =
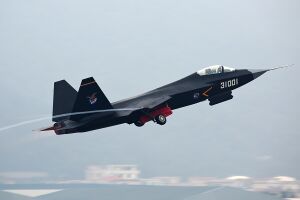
<point x="102" y="123"/>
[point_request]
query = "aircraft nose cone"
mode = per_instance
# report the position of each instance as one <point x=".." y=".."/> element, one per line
<point x="257" y="72"/>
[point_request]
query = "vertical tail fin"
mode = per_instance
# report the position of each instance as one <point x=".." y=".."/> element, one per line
<point x="63" y="99"/>
<point x="90" y="97"/>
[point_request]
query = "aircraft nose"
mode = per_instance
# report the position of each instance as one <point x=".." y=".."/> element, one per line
<point x="257" y="72"/>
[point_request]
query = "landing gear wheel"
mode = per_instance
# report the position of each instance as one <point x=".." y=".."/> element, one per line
<point x="138" y="124"/>
<point x="161" y="119"/>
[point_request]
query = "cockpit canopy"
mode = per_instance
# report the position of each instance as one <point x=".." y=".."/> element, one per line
<point x="215" y="69"/>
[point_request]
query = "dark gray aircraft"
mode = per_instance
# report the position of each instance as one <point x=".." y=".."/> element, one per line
<point x="89" y="109"/>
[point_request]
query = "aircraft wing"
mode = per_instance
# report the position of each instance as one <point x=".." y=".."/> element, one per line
<point x="145" y="103"/>
<point x="154" y="102"/>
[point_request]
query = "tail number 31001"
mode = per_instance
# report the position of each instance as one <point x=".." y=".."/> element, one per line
<point x="229" y="83"/>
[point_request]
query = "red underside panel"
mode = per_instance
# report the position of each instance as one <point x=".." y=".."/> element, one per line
<point x="166" y="111"/>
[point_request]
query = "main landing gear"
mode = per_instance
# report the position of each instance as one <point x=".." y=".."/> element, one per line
<point x="159" y="116"/>
<point x="161" y="119"/>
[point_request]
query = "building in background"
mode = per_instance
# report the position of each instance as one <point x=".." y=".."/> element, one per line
<point x="112" y="174"/>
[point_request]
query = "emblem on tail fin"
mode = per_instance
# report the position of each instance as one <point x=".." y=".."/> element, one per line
<point x="93" y="98"/>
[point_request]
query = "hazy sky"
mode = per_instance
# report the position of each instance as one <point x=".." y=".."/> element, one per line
<point x="133" y="46"/>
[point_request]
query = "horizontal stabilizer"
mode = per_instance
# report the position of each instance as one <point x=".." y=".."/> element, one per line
<point x="51" y="128"/>
<point x="64" y="127"/>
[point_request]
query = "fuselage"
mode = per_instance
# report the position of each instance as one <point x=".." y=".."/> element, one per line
<point x="197" y="87"/>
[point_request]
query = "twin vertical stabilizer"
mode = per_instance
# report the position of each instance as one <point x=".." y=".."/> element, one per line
<point x="67" y="100"/>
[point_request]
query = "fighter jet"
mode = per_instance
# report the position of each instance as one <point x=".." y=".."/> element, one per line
<point x="89" y="109"/>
